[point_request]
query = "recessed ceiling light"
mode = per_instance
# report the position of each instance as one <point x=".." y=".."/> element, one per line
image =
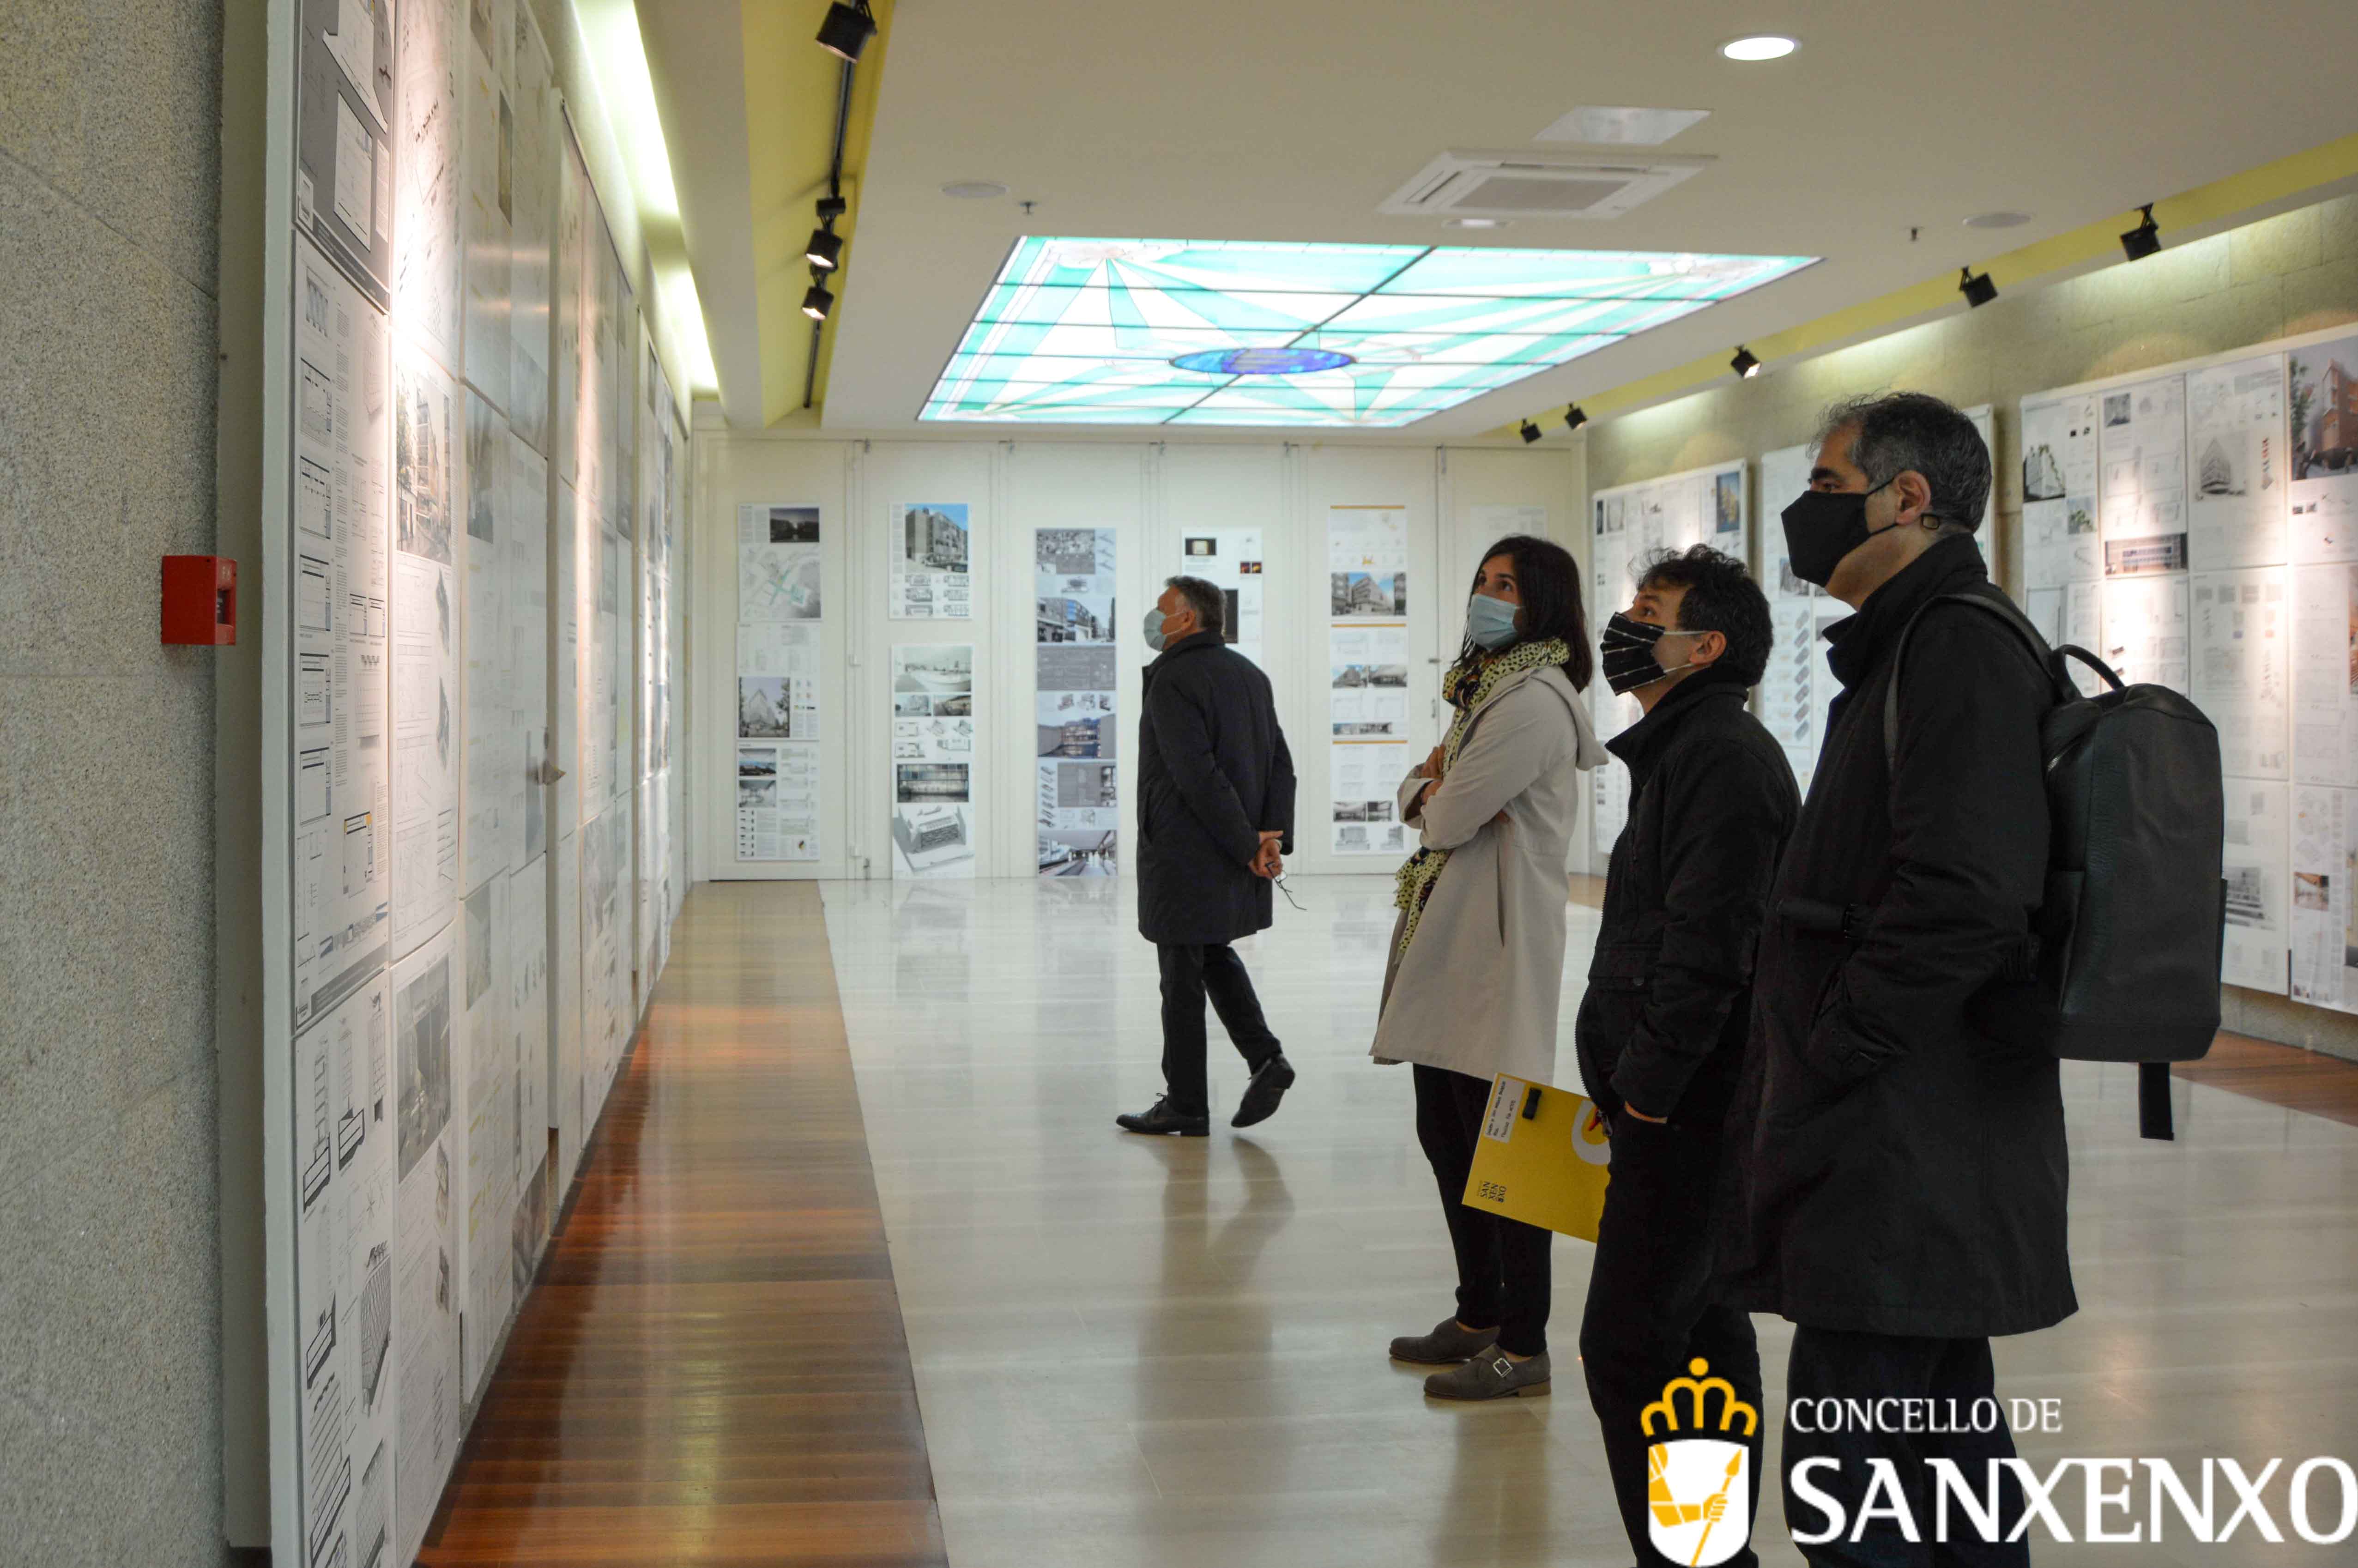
<point x="1997" y="219"/>
<point x="1477" y="222"/>
<point x="1765" y="46"/>
<point x="974" y="189"/>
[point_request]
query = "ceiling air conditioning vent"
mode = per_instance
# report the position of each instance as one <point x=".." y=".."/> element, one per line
<point x="1527" y="183"/>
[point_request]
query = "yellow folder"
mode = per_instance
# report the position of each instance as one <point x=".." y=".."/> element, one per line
<point x="1537" y="1159"/>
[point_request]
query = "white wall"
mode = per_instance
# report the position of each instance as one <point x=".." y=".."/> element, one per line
<point x="1151" y="495"/>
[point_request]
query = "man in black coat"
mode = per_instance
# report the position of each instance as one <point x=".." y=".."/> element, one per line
<point x="1215" y="818"/>
<point x="1661" y="1029"/>
<point x="1907" y="1172"/>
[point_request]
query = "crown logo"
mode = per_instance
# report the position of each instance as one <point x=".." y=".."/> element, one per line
<point x="1696" y="1387"/>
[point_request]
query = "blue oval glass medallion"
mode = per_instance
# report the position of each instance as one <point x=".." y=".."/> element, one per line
<point x="1263" y="362"/>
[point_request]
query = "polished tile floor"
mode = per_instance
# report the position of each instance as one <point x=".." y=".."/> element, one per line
<point x="1172" y="1353"/>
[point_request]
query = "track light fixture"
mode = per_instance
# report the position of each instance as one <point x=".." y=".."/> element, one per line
<point x="847" y="29"/>
<point x="1574" y="418"/>
<point x="1531" y="432"/>
<point x="824" y="249"/>
<point x="817" y="301"/>
<point x="1745" y="364"/>
<point x="2145" y="239"/>
<point x="1978" y="291"/>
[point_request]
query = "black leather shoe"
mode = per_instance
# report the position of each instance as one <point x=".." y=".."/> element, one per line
<point x="1268" y="1087"/>
<point x="1161" y="1119"/>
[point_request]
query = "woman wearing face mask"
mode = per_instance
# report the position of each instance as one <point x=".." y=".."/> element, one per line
<point x="1475" y="966"/>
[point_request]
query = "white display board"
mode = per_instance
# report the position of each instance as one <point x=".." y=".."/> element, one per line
<point x="933" y="759"/>
<point x="1629" y="524"/>
<point x="780" y="601"/>
<point x="2225" y="491"/>
<point x="1077" y="811"/>
<point x="1229" y="559"/>
<point x="461" y="386"/>
<point x="1366" y="663"/>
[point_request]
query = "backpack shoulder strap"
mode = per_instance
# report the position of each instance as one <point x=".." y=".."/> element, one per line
<point x="1994" y="604"/>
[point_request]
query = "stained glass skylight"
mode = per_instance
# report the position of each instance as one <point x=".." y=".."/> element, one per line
<point x="1250" y="332"/>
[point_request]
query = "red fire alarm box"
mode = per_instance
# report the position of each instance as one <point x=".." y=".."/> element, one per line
<point x="200" y="601"/>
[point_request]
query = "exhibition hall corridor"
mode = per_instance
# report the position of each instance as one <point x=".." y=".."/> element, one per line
<point x="860" y="1169"/>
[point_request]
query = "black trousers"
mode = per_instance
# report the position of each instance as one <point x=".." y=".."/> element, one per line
<point x="1652" y="1310"/>
<point x="1189" y="974"/>
<point x="1503" y="1274"/>
<point x="1833" y="1364"/>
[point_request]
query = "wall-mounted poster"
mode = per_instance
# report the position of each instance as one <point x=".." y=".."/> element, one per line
<point x="343" y="131"/>
<point x="2141" y="464"/>
<point x="2258" y="903"/>
<point x="2236" y="471"/>
<point x="1078" y="816"/>
<point x="2240" y="637"/>
<point x="2322" y="395"/>
<point x="425" y="651"/>
<point x="1368" y="749"/>
<point x="1629" y="524"/>
<point x="928" y="546"/>
<point x="932" y="758"/>
<point x="340" y="800"/>
<point x="779" y="603"/>
<point x="1230" y="560"/>
<point x="778" y="564"/>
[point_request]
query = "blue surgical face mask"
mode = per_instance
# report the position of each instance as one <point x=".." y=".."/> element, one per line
<point x="1155" y="638"/>
<point x="1489" y="623"/>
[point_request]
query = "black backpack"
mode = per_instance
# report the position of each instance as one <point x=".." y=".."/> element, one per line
<point x="2122" y="964"/>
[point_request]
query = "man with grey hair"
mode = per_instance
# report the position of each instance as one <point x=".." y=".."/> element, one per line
<point x="1214" y="819"/>
<point x="1905" y="1171"/>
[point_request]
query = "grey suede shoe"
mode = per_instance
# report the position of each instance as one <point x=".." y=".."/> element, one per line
<point x="1490" y="1375"/>
<point x="1446" y="1346"/>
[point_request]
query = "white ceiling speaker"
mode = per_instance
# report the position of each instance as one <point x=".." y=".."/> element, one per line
<point x="1527" y="183"/>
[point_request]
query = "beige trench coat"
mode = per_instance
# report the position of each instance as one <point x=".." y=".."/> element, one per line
<point x="1478" y="990"/>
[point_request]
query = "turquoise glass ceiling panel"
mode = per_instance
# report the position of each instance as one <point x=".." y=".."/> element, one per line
<point x="1080" y="330"/>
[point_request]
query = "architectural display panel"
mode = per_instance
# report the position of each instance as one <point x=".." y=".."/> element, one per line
<point x="780" y="600"/>
<point x="1230" y="560"/>
<point x="1078" y="814"/>
<point x="926" y="547"/>
<point x="1629" y="524"/>
<point x="1250" y="332"/>
<point x="933" y="756"/>
<point x="1368" y="750"/>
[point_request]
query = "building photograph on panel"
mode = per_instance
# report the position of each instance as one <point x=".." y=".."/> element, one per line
<point x="879" y="733"/>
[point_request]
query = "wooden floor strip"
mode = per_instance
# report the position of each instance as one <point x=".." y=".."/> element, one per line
<point x="711" y="1368"/>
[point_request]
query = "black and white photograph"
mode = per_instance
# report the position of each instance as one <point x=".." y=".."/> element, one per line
<point x="932" y="670"/>
<point x="763" y="710"/>
<point x="1077" y="854"/>
<point x="915" y="784"/>
<point x="1073" y="552"/>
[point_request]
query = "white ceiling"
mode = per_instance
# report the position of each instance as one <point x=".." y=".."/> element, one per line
<point x="1242" y="119"/>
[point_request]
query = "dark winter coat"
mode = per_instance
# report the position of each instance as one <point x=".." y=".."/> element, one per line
<point x="1906" y="1172"/>
<point x="1669" y="1004"/>
<point x="1213" y="775"/>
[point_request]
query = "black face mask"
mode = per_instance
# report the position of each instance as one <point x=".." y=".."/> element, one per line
<point x="1821" y="527"/>
<point x="1625" y="654"/>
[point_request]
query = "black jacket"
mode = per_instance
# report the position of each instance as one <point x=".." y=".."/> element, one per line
<point x="1712" y="800"/>
<point x="1214" y="774"/>
<point x="1907" y="1173"/>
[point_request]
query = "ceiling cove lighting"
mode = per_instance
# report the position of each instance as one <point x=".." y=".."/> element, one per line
<point x="1574" y="418"/>
<point x="1978" y="291"/>
<point x="1745" y="364"/>
<point x="846" y="29"/>
<point x="1762" y="45"/>
<point x="2145" y="239"/>
<point x="1115" y="331"/>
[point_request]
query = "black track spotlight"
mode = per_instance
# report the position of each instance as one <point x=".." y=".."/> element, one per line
<point x="818" y="302"/>
<point x="1531" y="432"/>
<point x="847" y="29"/>
<point x="825" y="249"/>
<point x="1574" y="418"/>
<point x="1978" y="291"/>
<point x="2145" y="239"/>
<point x="1745" y="364"/>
